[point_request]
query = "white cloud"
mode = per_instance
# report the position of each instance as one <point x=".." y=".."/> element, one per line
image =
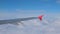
<point x="30" y="11"/>
<point x="34" y="27"/>
<point x="47" y="26"/>
<point x="20" y="13"/>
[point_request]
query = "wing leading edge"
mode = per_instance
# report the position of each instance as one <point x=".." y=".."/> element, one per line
<point x="15" y="21"/>
<point x="18" y="20"/>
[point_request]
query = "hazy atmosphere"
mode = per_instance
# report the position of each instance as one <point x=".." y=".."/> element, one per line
<point x="12" y="9"/>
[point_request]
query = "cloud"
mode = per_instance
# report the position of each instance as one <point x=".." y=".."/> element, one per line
<point x="51" y="28"/>
<point x="50" y="25"/>
<point x="30" y="11"/>
<point x="20" y="13"/>
<point x="32" y="27"/>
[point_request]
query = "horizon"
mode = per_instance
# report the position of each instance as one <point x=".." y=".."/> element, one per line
<point x="11" y="9"/>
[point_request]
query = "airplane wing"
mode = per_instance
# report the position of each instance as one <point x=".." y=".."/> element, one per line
<point x="18" y="20"/>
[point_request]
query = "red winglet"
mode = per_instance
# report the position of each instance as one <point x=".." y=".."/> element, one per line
<point x="40" y="17"/>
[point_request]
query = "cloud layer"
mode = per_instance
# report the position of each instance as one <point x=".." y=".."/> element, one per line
<point x="47" y="26"/>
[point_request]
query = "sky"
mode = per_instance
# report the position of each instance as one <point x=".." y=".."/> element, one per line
<point x="26" y="8"/>
<point x="10" y="9"/>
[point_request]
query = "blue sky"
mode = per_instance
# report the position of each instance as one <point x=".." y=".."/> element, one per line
<point x="47" y="5"/>
<point x="12" y="8"/>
